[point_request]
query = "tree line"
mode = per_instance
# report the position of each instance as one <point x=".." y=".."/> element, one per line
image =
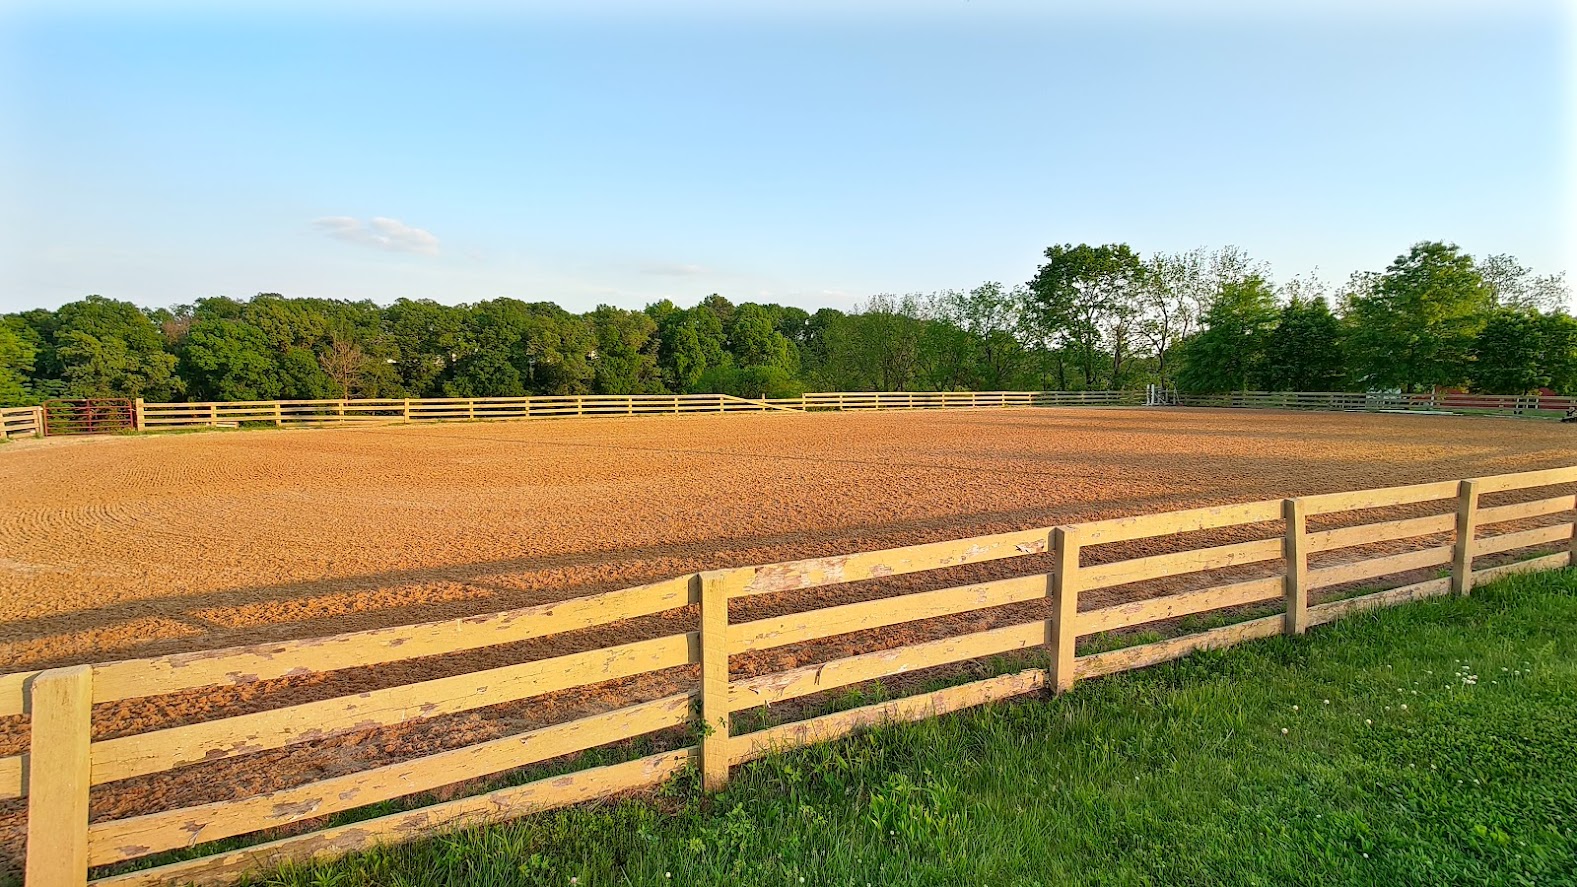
<point x="1092" y="317"/>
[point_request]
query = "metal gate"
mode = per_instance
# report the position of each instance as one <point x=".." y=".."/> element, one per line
<point x="89" y="415"/>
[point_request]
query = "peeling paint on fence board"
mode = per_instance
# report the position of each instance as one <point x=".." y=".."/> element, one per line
<point x="257" y="662"/>
<point x="212" y="740"/>
<point x="496" y="806"/>
<point x="794" y="575"/>
<point x="809" y="679"/>
<point x="798" y="627"/>
<point x="122" y="839"/>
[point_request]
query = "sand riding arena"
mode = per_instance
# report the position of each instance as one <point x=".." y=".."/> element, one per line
<point x="133" y="546"/>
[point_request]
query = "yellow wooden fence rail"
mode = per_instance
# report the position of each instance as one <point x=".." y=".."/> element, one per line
<point x="21" y="422"/>
<point x="154" y="416"/>
<point x="65" y="763"/>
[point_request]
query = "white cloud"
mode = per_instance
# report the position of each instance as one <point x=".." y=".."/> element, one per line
<point x="380" y="232"/>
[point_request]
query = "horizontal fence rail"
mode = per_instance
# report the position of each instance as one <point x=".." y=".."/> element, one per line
<point x="1546" y="406"/>
<point x="167" y="416"/>
<point x="29" y="421"/>
<point x="21" y="422"/>
<point x="1443" y="531"/>
<point x="234" y="414"/>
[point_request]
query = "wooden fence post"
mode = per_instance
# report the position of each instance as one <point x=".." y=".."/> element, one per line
<point x="1062" y="630"/>
<point x="213" y="415"/>
<point x="1467" y="528"/>
<point x="714" y="678"/>
<point x="405" y="410"/>
<point x="136" y="414"/>
<point x="1571" y="560"/>
<point x="1296" y="553"/>
<point x="279" y="414"/>
<point x="59" y="775"/>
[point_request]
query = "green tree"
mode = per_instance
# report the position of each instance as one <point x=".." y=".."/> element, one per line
<point x="1080" y="292"/>
<point x="1513" y="285"/>
<point x="626" y="361"/>
<point x="1229" y="352"/>
<point x="16" y="365"/>
<point x="1304" y="350"/>
<point x="721" y="308"/>
<point x="1558" y="361"/>
<point x="223" y="359"/>
<point x="944" y="353"/>
<point x="689" y="342"/>
<point x="754" y="340"/>
<point x="876" y="348"/>
<point x="1508" y="352"/>
<point x="107" y="348"/>
<point x="1171" y="295"/>
<point x="301" y="376"/>
<point x="1415" y="328"/>
<point x="426" y="339"/>
<point x="982" y="326"/>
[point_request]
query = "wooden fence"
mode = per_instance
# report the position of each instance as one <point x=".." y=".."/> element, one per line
<point x="21" y="422"/>
<point x="66" y="763"/>
<point x="1499" y="404"/>
<point x="153" y="416"/>
<point x="24" y="421"/>
<point x="952" y="400"/>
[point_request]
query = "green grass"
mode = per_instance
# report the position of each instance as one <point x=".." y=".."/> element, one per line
<point x="1361" y="754"/>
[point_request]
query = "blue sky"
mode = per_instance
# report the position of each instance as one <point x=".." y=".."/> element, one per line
<point x="809" y="153"/>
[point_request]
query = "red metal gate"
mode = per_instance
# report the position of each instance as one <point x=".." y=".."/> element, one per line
<point x="89" y="415"/>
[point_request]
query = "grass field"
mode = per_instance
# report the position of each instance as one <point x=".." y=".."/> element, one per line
<point x="1433" y="743"/>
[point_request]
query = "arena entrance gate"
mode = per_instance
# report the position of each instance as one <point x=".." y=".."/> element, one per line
<point x="89" y="415"/>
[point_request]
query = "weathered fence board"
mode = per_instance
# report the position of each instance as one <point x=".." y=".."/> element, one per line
<point x="121" y="839"/>
<point x="809" y="679"/>
<point x="1175" y="605"/>
<point x="796" y="575"/>
<point x="494" y="806"/>
<point x="143" y="753"/>
<point x="751" y="746"/>
<point x="259" y="662"/>
<point x="828" y="621"/>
